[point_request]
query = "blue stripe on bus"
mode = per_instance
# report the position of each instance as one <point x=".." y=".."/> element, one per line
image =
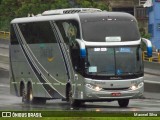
<point x="149" y="51"/>
<point x="83" y="53"/>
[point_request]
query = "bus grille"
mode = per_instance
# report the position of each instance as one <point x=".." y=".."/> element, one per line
<point x="116" y="88"/>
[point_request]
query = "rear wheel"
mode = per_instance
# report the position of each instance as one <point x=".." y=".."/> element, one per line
<point x="23" y="94"/>
<point x="123" y="102"/>
<point x="34" y="100"/>
<point x="29" y="97"/>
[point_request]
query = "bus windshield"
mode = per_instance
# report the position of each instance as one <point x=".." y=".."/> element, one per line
<point x="97" y="31"/>
<point x="111" y="61"/>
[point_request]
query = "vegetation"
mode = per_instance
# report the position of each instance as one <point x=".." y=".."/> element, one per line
<point x="87" y="118"/>
<point x="10" y="9"/>
<point x="144" y="34"/>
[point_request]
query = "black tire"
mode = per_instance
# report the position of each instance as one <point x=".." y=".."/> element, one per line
<point x="67" y="93"/>
<point x="24" y="100"/>
<point x="123" y="102"/>
<point x="72" y="101"/>
<point x="34" y="100"/>
<point x="29" y="97"/>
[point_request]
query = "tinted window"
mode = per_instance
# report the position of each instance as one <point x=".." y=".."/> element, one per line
<point x="37" y="32"/>
<point x="69" y="30"/>
<point x="97" y="31"/>
<point x="13" y="36"/>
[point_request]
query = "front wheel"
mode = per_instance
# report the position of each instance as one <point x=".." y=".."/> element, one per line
<point x="123" y="102"/>
<point x="72" y="101"/>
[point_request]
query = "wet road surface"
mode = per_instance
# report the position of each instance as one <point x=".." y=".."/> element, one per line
<point x="10" y="102"/>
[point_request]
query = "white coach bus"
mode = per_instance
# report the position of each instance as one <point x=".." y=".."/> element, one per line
<point x="80" y="55"/>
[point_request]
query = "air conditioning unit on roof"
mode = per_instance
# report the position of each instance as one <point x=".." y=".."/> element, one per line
<point x="70" y="11"/>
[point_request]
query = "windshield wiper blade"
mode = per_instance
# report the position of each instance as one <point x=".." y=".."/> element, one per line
<point x="127" y="73"/>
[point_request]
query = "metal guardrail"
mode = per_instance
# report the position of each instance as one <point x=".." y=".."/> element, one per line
<point x="4" y="35"/>
<point x="155" y="57"/>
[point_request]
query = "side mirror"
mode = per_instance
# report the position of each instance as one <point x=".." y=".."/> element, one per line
<point x="82" y="48"/>
<point x="149" y="46"/>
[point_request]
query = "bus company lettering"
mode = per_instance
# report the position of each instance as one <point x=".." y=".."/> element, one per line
<point x="14" y="114"/>
<point x="145" y="114"/>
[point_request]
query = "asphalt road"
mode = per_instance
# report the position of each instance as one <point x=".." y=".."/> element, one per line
<point x="10" y="102"/>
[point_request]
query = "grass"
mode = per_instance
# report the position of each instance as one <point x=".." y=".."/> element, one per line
<point x="86" y="118"/>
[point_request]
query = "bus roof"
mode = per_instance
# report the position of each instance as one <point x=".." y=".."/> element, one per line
<point x="120" y="16"/>
<point x="96" y="15"/>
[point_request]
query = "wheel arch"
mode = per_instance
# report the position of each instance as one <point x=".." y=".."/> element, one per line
<point x="29" y="84"/>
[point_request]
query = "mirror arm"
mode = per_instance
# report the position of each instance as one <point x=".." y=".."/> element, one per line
<point x="149" y="46"/>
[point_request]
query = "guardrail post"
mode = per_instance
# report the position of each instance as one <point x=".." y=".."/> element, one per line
<point x="4" y="35"/>
<point x="158" y="57"/>
<point x="150" y="59"/>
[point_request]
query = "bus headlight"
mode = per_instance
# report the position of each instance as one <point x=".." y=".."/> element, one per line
<point x="93" y="87"/>
<point x="133" y="87"/>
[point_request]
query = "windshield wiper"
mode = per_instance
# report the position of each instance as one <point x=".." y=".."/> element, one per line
<point x="128" y="73"/>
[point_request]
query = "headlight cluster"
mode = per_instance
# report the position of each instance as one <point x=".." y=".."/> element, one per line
<point x="134" y="87"/>
<point x="93" y="87"/>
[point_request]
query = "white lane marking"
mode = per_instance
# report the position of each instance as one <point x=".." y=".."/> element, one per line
<point x="5" y="55"/>
<point x="149" y="81"/>
<point x="4" y="85"/>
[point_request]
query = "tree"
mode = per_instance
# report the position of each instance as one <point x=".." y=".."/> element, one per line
<point x="101" y="4"/>
<point x="10" y="9"/>
<point x="58" y="4"/>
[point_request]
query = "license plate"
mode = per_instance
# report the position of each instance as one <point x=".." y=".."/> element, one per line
<point x="115" y="94"/>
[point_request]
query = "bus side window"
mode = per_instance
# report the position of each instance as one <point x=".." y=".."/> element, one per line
<point x="44" y="33"/>
<point x="13" y="36"/>
<point x="69" y="30"/>
<point x="62" y="31"/>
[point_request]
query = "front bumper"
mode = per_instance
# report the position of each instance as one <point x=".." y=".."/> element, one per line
<point x="88" y="93"/>
<point x="108" y="94"/>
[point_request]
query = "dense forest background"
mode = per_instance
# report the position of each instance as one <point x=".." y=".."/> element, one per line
<point x="10" y="9"/>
